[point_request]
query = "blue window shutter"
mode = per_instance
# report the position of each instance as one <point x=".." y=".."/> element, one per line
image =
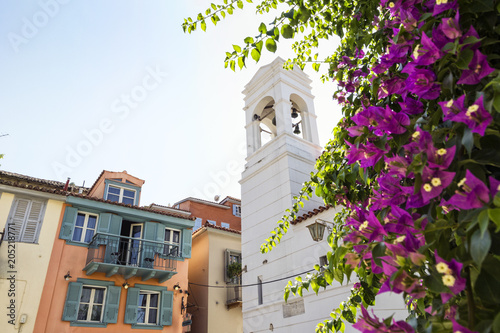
<point x="68" y="223"/>
<point x="70" y="312"/>
<point x="104" y="222"/>
<point x="167" y="300"/>
<point x="115" y="226"/>
<point x="109" y="224"/>
<point x="112" y="304"/>
<point x="131" y="307"/>
<point x="149" y="249"/>
<point x="186" y="242"/>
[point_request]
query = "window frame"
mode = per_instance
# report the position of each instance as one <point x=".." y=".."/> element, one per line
<point x="237" y="210"/>
<point x="111" y="302"/>
<point x="121" y="194"/>
<point x="227" y="261"/>
<point x="170" y="243"/>
<point x="22" y="225"/>
<point x="148" y="307"/>
<point x="165" y="306"/>
<point x="91" y="302"/>
<point x="84" y="227"/>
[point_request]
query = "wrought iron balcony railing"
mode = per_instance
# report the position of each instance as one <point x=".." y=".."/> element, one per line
<point x="114" y="254"/>
<point x="233" y="294"/>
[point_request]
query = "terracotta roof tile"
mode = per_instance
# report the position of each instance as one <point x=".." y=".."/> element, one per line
<point x="208" y="225"/>
<point x="53" y="187"/>
<point x="310" y="214"/>
<point x="18" y="178"/>
<point x="146" y="209"/>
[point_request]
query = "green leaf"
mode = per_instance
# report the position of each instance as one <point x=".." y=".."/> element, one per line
<point x="237" y="48"/>
<point x="468" y="140"/>
<point x="494" y="215"/>
<point x="203" y="25"/>
<point x="496" y="322"/>
<point x="328" y="276"/>
<point x="496" y="200"/>
<point x="480" y="246"/>
<point x="240" y="4"/>
<point x="287" y="31"/>
<point x="262" y="28"/>
<point x="483" y="221"/>
<point x="271" y="45"/>
<point x="464" y="59"/>
<point x="241" y="62"/>
<point x="255" y="55"/>
<point x="248" y="40"/>
<point x="287" y="293"/>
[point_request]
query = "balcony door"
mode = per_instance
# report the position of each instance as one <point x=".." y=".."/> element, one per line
<point x="134" y="244"/>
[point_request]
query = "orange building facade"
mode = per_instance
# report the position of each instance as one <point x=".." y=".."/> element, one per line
<point x="116" y="266"/>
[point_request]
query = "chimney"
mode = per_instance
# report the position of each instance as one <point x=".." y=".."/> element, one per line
<point x="66" y="185"/>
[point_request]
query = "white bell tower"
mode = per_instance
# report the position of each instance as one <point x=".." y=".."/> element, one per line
<point x="282" y="147"/>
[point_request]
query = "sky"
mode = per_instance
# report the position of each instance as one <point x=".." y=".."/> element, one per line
<point x="116" y="85"/>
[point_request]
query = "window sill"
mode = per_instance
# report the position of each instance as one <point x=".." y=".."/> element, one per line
<point x="77" y="243"/>
<point x="147" y="327"/>
<point x="88" y="324"/>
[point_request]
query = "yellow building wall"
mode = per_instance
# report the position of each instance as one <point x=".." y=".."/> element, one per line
<point x="220" y="318"/>
<point x="30" y="267"/>
<point x="198" y="273"/>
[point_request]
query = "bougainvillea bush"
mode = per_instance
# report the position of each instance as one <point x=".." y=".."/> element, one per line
<point x="415" y="160"/>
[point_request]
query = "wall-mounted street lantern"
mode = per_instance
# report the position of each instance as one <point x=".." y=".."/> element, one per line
<point x="317" y="229"/>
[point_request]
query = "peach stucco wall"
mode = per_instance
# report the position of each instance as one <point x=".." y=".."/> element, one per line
<point x="72" y="258"/>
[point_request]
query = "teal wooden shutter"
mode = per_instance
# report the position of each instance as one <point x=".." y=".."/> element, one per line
<point x="68" y="223"/>
<point x="149" y="249"/>
<point x="131" y="306"/>
<point x="70" y="312"/>
<point x="167" y="300"/>
<point x="112" y="304"/>
<point x="109" y="224"/>
<point x="186" y="242"/>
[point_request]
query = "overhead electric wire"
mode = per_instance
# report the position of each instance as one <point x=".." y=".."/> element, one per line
<point x="252" y="284"/>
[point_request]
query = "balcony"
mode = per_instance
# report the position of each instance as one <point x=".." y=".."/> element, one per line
<point x="233" y="295"/>
<point x="127" y="256"/>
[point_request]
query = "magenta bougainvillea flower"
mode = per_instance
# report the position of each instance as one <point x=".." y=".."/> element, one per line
<point x="434" y="182"/>
<point x="450" y="27"/>
<point x="422" y="82"/>
<point x="478" y="69"/>
<point x="367" y="324"/>
<point x="452" y="108"/>
<point x="459" y="328"/>
<point x="443" y="5"/>
<point x="471" y="193"/>
<point x="450" y="276"/>
<point x="392" y="86"/>
<point x="475" y="116"/>
<point x="471" y="33"/>
<point x="411" y="106"/>
<point x="381" y="121"/>
<point x="440" y="158"/>
<point x="425" y="53"/>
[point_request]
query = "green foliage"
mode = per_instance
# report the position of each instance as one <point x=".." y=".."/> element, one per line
<point x="469" y="236"/>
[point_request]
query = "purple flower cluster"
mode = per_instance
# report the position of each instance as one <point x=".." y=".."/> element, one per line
<point x="419" y="169"/>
